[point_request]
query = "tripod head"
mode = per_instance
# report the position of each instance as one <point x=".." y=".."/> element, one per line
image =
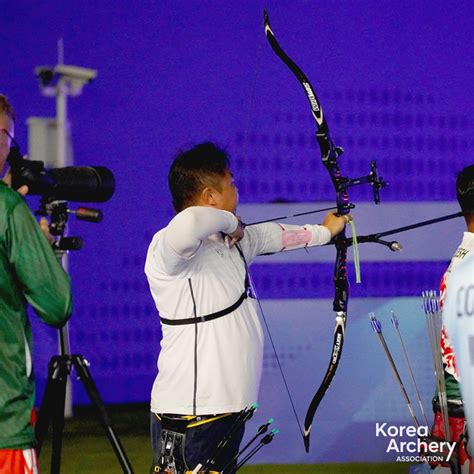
<point x="58" y="212"/>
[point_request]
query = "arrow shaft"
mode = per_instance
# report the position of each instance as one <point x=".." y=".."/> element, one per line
<point x="412" y="375"/>
<point x="398" y="378"/>
<point x="299" y="214"/>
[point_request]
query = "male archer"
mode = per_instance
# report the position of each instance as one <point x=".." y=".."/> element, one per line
<point x="210" y="361"/>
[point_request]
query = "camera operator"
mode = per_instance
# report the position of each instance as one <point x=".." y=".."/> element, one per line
<point x="29" y="273"/>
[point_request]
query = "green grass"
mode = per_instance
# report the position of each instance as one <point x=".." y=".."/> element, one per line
<point x="86" y="449"/>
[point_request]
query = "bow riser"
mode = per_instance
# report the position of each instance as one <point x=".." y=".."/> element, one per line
<point x="341" y="284"/>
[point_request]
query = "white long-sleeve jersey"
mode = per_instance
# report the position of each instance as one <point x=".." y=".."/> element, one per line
<point x="214" y="366"/>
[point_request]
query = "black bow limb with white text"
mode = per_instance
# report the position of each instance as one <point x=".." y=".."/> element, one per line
<point x="329" y="155"/>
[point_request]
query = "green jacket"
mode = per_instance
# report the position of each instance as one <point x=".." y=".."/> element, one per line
<point x="29" y="273"/>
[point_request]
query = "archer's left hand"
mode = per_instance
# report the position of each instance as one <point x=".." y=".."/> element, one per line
<point x="335" y="223"/>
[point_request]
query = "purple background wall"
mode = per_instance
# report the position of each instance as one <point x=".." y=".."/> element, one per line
<point x="395" y="79"/>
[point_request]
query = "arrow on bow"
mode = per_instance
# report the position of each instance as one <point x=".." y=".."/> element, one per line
<point x="329" y="155"/>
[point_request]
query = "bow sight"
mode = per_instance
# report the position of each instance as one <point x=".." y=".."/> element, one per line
<point x="376" y="181"/>
<point x="330" y="154"/>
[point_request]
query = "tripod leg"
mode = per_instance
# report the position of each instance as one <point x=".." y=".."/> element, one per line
<point x="44" y="413"/>
<point x="82" y="369"/>
<point x="58" y="424"/>
<point x="52" y="408"/>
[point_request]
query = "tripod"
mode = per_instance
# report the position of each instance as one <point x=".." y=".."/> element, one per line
<point x="61" y="366"/>
<point x="52" y="408"/>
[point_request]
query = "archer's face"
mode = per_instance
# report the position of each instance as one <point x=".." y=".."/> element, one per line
<point x="227" y="198"/>
<point x="5" y="123"/>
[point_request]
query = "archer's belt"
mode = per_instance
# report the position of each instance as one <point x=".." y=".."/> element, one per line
<point x="180" y="423"/>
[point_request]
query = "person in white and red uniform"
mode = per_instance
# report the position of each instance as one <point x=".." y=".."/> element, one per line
<point x="210" y="362"/>
<point x="457" y="420"/>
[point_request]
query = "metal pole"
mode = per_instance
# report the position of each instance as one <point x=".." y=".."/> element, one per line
<point x="61" y="155"/>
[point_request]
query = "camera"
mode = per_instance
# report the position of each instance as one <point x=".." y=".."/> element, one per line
<point x="72" y="183"/>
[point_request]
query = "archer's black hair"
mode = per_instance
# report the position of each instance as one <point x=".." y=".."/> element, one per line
<point x="192" y="170"/>
<point x="465" y="189"/>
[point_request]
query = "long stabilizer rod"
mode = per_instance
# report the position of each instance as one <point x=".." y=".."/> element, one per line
<point x="394" y="245"/>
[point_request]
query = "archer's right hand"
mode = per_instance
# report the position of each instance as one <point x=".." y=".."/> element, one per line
<point x="237" y="235"/>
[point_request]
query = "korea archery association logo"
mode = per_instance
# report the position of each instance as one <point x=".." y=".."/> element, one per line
<point x="412" y="444"/>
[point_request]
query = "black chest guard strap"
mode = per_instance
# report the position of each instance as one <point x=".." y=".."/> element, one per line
<point x="209" y="317"/>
